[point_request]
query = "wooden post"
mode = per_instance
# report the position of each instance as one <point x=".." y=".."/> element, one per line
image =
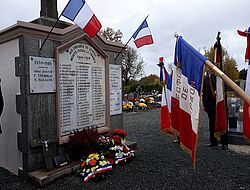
<point x="229" y="82"/>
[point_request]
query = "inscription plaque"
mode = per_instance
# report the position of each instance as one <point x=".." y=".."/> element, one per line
<point x="42" y="75"/>
<point x="115" y="84"/>
<point x="82" y="88"/>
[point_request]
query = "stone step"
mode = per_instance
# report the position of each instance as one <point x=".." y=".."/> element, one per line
<point x="42" y="177"/>
<point x="236" y="138"/>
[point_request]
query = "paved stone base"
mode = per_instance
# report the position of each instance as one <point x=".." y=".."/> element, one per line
<point x="241" y="149"/>
<point x="131" y="144"/>
<point x="236" y="138"/>
<point x="43" y="177"/>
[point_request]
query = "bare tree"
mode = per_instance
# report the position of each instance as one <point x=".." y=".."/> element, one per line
<point x="112" y="35"/>
<point x="132" y="65"/>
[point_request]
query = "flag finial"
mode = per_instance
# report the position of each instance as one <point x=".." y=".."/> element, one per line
<point x="176" y="35"/>
<point x="218" y="36"/>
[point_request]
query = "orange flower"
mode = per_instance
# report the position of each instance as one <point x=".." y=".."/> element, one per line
<point x="83" y="164"/>
<point x="92" y="162"/>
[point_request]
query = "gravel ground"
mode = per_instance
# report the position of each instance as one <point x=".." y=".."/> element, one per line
<point x="161" y="164"/>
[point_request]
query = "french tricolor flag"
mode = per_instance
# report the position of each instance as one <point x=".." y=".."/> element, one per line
<point x="186" y="93"/>
<point x="142" y="35"/>
<point x="246" y="33"/>
<point x="79" y="12"/>
<point x="220" y="118"/>
<point x="246" y="118"/>
<point x="165" y="78"/>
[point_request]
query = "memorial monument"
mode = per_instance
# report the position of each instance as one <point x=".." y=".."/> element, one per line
<point x="72" y="83"/>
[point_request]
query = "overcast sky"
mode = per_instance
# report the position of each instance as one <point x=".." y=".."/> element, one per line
<point x="198" y="21"/>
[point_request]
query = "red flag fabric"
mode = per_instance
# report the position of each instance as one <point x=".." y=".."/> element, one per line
<point x="80" y="13"/>
<point x="246" y="33"/>
<point x="142" y="35"/>
<point x="186" y="95"/>
<point x="246" y="118"/>
<point x="165" y="122"/>
<point x="220" y="118"/>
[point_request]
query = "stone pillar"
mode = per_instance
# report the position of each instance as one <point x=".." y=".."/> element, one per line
<point x="49" y="9"/>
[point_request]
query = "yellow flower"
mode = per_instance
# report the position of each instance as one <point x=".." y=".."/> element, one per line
<point x="96" y="156"/>
<point x="102" y="163"/>
<point x="91" y="156"/>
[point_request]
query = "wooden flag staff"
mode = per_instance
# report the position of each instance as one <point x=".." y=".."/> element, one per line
<point x="229" y="82"/>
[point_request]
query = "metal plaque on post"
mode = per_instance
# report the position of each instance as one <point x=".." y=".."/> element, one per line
<point x="42" y="75"/>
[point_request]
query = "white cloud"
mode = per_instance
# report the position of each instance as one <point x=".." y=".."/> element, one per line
<point x="198" y="21"/>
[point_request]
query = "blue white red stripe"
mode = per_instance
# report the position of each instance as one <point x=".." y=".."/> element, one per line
<point x="246" y="33"/>
<point x="165" y="121"/>
<point x="186" y="89"/>
<point x="246" y="118"/>
<point x="220" y="118"/>
<point x="142" y="35"/>
<point x="79" y="12"/>
<point x="101" y="169"/>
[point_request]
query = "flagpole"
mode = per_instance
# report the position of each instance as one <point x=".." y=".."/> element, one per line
<point x="218" y="38"/>
<point x="49" y="34"/>
<point x="228" y="81"/>
<point x="52" y="29"/>
<point x="128" y="42"/>
<point x="123" y="47"/>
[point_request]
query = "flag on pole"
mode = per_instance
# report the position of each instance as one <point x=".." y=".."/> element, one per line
<point x="246" y="118"/>
<point x="142" y="35"/>
<point x="246" y="33"/>
<point x="165" y="78"/>
<point x="220" y="118"/>
<point x="187" y="83"/>
<point x="79" y="12"/>
<point x="176" y="93"/>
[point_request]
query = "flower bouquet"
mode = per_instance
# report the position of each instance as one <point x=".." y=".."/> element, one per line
<point x="94" y="165"/>
<point x="82" y="143"/>
<point x="104" y="144"/>
<point x="121" y="154"/>
<point x="120" y="132"/>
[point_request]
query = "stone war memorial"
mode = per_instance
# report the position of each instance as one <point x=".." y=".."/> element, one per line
<point x="74" y="82"/>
